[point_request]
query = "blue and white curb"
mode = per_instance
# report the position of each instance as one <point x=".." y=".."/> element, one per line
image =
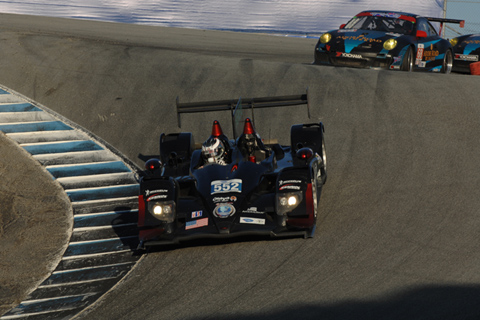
<point x="103" y="191"/>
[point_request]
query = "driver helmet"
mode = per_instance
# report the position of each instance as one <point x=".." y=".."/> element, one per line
<point x="213" y="151"/>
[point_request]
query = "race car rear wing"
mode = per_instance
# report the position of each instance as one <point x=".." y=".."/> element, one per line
<point x="444" y="20"/>
<point x="236" y="106"/>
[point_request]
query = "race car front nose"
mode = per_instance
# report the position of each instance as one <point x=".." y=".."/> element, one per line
<point x="352" y="53"/>
<point x="359" y="60"/>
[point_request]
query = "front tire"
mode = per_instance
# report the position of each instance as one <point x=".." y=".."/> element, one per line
<point x="323" y="168"/>
<point x="311" y="231"/>
<point x="447" y="62"/>
<point x="407" y="63"/>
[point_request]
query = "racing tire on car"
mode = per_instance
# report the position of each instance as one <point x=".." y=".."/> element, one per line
<point x="447" y="62"/>
<point x="407" y="63"/>
<point x="323" y="167"/>
<point x="311" y="231"/>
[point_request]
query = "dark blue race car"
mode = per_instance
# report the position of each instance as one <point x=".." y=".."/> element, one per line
<point x="466" y="50"/>
<point x="225" y="188"/>
<point x="387" y="40"/>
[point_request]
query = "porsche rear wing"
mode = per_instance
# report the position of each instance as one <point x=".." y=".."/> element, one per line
<point x="235" y="106"/>
<point x="445" y="20"/>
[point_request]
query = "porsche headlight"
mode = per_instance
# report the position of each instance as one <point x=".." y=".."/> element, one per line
<point x="390" y="44"/>
<point x="325" y="38"/>
<point x="286" y="202"/>
<point x="162" y="210"/>
<point x="453" y="42"/>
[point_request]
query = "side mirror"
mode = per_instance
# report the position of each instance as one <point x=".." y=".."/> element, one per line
<point x="342" y="26"/>
<point x="421" y="34"/>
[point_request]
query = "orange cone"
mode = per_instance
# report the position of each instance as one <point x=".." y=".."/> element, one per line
<point x="475" y="68"/>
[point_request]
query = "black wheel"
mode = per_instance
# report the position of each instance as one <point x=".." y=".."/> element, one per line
<point x="447" y="62"/>
<point x="407" y="63"/>
<point x="322" y="170"/>
<point x="311" y="230"/>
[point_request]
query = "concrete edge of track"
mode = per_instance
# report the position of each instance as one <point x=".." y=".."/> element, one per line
<point x="98" y="239"/>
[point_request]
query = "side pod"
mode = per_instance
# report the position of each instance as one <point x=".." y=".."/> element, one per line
<point x="310" y="136"/>
<point x="175" y="152"/>
<point x="307" y="136"/>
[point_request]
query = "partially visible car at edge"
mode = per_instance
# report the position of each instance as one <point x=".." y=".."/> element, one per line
<point x="387" y="40"/>
<point x="466" y="50"/>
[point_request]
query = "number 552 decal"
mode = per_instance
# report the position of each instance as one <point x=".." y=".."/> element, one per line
<point x="226" y="186"/>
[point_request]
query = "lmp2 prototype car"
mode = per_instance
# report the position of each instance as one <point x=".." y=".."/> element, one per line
<point x="238" y="187"/>
<point x="387" y="40"/>
<point x="466" y="50"/>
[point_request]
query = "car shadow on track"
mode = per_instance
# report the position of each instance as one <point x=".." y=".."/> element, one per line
<point x="448" y="302"/>
<point x="212" y="242"/>
<point x="124" y="225"/>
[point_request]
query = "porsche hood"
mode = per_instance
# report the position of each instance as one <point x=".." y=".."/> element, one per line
<point x="361" y="41"/>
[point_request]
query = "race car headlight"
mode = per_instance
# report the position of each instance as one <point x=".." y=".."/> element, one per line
<point x="157" y="209"/>
<point x="390" y="44"/>
<point x="453" y="42"/>
<point x="325" y="38"/>
<point x="286" y="202"/>
<point x="162" y="210"/>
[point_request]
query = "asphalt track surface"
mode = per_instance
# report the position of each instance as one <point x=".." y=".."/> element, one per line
<point x="398" y="233"/>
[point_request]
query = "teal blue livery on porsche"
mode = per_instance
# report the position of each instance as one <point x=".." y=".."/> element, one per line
<point x="466" y="50"/>
<point x="387" y="40"/>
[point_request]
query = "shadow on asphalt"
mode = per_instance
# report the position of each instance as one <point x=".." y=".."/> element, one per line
<point x="446" y="302"/>
<point x="212" y="242"/>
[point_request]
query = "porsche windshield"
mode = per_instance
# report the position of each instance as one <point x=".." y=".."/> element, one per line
<point x="385" y="24"/>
